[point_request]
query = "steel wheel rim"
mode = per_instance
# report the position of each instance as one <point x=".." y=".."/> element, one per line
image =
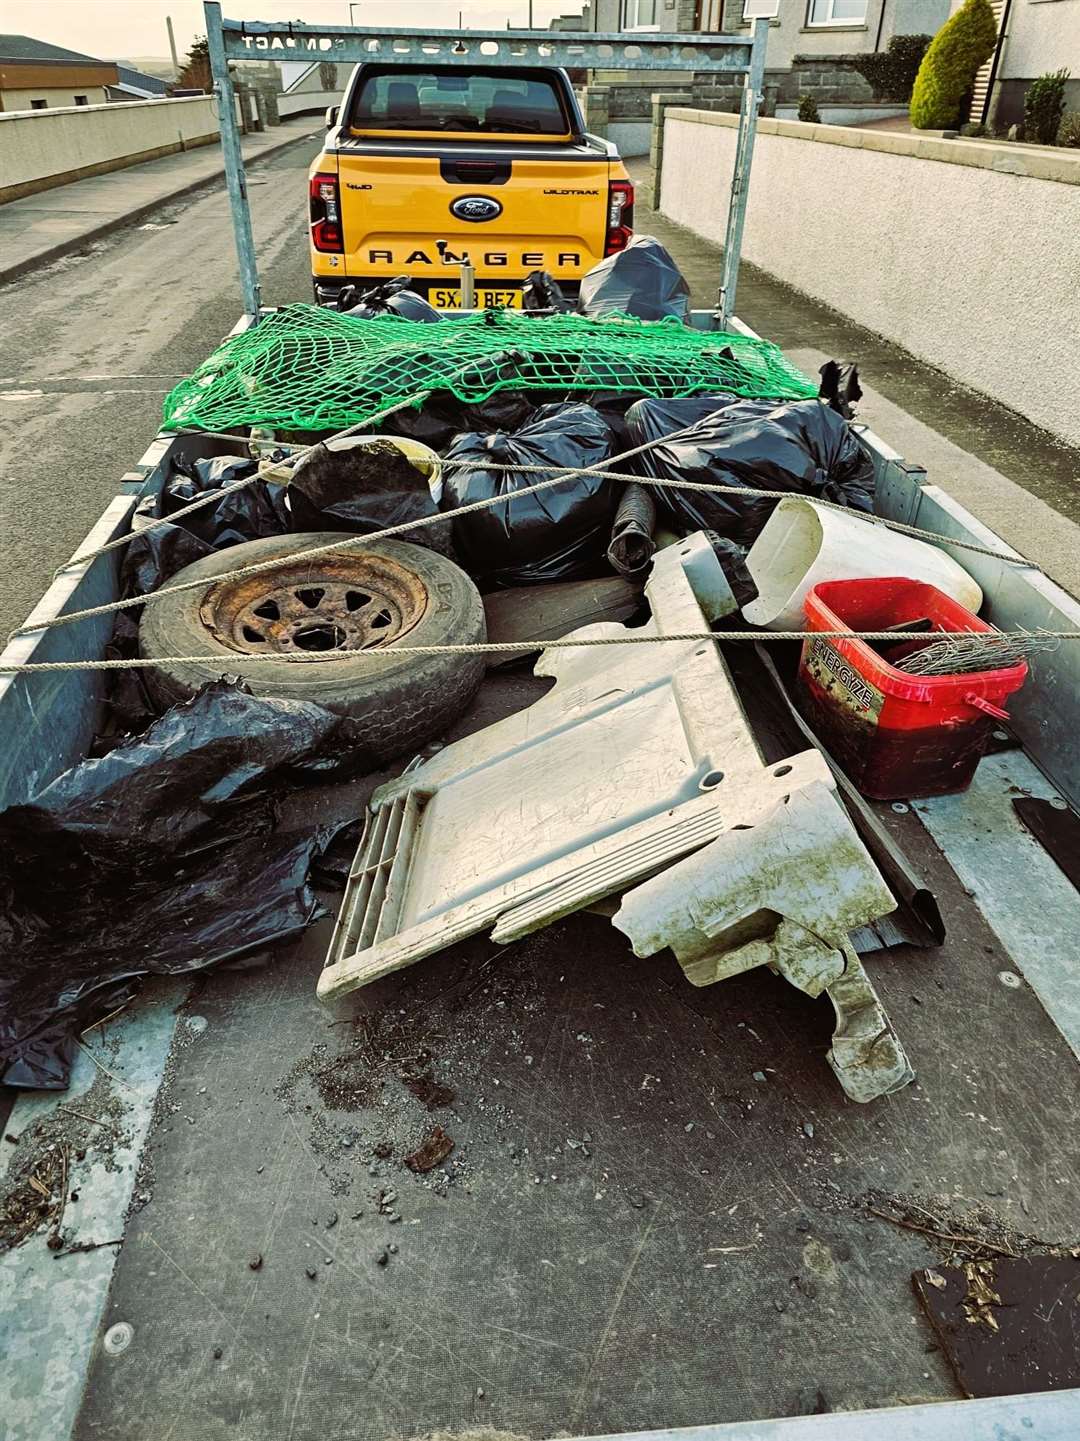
<point x="339" y="604"/>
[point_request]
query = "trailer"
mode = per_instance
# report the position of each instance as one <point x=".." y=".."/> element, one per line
<point x="660" y="1216"/>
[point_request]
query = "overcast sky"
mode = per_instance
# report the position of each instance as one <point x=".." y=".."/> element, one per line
<point x="112" y="28"/>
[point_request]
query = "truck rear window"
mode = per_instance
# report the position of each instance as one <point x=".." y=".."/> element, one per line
<point x="452" y="100"/>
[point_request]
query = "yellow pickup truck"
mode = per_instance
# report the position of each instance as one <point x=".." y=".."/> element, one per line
<point x="428" y="165"/>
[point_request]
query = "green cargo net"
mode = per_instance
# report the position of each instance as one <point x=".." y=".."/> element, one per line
<point x="307" y="368"/>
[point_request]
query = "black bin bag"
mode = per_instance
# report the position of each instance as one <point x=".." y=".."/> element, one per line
<point x="541" y="291"/>
<point x="641" y="280"/>
<point x="799" y="447"/>
<point x="391" y="297"/>
<point x="556" y="534"/>
<point x="655" y="419"/>
<point x="256" y="510"/>
<point x="167" y="855"/>
<point x="441" y="418"/>
<point x="363" y="484"/>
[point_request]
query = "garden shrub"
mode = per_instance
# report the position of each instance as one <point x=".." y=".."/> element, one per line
<point x="891" y="73"/>
<point x="964" y="43"/>
<point x="1044" y="105"/>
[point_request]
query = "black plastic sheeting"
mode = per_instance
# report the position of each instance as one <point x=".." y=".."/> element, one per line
<point x="541" y="291"/>
<point x="127" y="706"/>
<point x="630" y="550"/>
<point x="361" y="485"/>
<point x="391" y="297"/>
<point x="840" y="388"/>
<point x="652" y="419"/>
<point x="154" y="556"/>
<point x="802" y="447"/>
<point x="161" y="858"/>
<point x="557" y="534"/>
<point x="642" y="280"/>
<point x="443" y="417"/>
<point x="257" y="510"/>
<point x="732" y="558"/>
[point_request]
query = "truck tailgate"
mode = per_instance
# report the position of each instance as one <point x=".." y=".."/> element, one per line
<point x="541" y="210"/>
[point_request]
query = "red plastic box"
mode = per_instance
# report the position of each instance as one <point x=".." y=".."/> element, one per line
<point x="896" y="735"/>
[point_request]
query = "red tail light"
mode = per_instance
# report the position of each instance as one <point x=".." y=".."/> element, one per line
<point x="325" y="207"/>
<point x="620" y="220"/>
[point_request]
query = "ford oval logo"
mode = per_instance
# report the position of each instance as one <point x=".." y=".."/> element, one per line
<point x="475" y="208"/>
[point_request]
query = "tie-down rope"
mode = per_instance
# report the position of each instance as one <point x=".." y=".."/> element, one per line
<point x="352" y="541"/>
<point x="228" y="663"/>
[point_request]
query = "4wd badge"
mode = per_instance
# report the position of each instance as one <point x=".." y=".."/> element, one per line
<point x="475" y="208"/>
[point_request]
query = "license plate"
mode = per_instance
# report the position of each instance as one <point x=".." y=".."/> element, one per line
<point x="450" y="299"/>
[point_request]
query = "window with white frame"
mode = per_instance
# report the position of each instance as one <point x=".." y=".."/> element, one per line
<point x="641" y="14"/>
<point x="836" y="12"/>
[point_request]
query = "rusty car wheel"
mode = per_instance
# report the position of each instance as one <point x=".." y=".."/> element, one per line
<point x="347" y="605"/>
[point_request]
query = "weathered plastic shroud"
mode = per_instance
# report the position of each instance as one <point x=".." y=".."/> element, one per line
<point x="637" y="766"/>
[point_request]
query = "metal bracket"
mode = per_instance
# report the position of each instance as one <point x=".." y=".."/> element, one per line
<point x="606" y="50"/>
<point x="234" y="161"/>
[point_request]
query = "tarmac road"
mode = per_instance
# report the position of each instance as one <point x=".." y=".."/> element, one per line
<point x="93" y="343"/>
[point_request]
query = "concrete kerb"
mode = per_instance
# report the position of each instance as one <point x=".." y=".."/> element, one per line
<point x="49" y="253"/>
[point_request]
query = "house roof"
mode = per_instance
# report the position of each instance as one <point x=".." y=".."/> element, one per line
<point x="39" y="52"/>
<point x="132" y="91"/>
<point x="133" y="79"/>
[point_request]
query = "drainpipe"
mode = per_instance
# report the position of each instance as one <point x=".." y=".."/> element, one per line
<point x="880" y="25"/>
<point x="996" y="61"/>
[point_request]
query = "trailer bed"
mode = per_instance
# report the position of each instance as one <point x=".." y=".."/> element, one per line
<point x="660" y="1206"/>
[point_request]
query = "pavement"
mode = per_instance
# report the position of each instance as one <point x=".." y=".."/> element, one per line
<point x="43" y="227"/>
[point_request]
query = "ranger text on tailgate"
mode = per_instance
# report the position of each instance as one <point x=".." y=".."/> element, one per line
<point x="495" y="163"/>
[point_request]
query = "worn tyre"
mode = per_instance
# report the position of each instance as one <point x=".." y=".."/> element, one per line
<point x="351" y="602"/>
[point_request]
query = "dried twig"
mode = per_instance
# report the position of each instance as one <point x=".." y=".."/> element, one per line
<point x="71" y="1111"/>
<point x="104" y="1069"/>
<point x="104" y="1022"/>
<point x="476" y="978"/>
<point x="54" y="1242"/>
<point x="972" y="1242"/>
<point x="86" y="1246"/>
